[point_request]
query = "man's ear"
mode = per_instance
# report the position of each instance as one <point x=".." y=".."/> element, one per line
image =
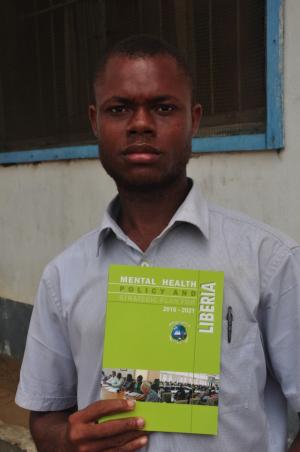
<point x="93" y="119"/>
<point x="196" y="118"/>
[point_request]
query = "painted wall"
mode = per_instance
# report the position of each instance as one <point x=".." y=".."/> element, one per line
<point x="44" y="207"/>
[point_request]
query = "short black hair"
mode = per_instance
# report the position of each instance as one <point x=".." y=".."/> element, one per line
<point x="141" y="46"/>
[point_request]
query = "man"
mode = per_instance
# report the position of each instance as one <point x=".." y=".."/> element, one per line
<point x="144" y="117"/>
<point x="118" y="381"/>
<point x="128" y="383"/>
<point x="149" y="394"/>
<point x="138" y="384"/>
<point x="112" y="378"/>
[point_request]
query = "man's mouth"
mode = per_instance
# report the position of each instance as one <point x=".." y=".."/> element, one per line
<point x="141" y="153"/>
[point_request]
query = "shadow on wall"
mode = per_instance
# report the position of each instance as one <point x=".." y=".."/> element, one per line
<point x="293" y="426"/>
<point x="14" y="322"/>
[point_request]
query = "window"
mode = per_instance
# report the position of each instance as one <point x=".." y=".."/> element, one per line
<point x="48" y="48"/>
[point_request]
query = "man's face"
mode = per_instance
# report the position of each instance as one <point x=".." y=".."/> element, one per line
<point x="144" y="121"/>
<point x="145" y="389"/>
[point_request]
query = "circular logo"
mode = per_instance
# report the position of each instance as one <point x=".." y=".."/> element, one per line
<point x="179" y="333"/>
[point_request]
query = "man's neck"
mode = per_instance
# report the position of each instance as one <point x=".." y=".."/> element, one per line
<point x="145" y="214"/>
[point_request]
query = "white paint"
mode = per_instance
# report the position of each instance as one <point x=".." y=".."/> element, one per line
<point x="44" y="207"/>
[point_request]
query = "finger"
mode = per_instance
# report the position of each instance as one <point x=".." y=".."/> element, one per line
<point x="102" y="408"/>
<point x="136" y="444"/>
<point x="115" y="427"/>
<point x="125" y="443"/>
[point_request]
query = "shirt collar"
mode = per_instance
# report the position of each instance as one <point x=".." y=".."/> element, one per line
<point x="193" y="210"/>
<point x="109" y="222"/>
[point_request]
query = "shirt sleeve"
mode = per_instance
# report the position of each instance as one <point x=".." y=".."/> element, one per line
<point x="281" y="325"/>
<point x="48" y="374"/>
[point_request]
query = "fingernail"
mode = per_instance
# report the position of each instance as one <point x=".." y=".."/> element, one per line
<point x="131" y="403"/>
<point x="140" y="422"/>
<point x="143" y="440"/>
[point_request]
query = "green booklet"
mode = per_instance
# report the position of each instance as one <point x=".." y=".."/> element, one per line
<point x="162" y="346"/>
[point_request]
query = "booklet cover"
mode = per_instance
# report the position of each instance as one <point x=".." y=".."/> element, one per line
<point x="162" y="346"/>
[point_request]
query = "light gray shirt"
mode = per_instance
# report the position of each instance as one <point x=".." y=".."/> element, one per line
<point x="260" y="367"/>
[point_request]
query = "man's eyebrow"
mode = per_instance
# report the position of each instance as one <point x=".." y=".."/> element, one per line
<point x="128" y="100"/>
<point x="163" y="98"/>
<point x="118" y="99"/>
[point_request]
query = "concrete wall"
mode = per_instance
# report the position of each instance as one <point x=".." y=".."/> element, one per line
<point x="44" y="207"/>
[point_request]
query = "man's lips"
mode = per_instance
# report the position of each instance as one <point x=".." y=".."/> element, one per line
<point x="141" y="153"/>
<point x="140" y="148"/>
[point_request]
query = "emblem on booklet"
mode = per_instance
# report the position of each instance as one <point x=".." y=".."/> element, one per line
<point x="179" y="333"/>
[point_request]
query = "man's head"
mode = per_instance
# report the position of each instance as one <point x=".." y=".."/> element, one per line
<point x="144" y="115"/>
<point x="139" y="378"/>
<point x="146" y="387"/>
<point x="143" y="46"/>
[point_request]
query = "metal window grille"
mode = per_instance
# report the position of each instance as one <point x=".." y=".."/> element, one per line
<point x="48" y="49"/>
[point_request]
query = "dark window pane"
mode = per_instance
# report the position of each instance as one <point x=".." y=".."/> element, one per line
<point x="48" y="49"/>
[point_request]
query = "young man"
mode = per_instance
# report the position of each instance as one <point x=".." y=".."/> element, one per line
<point x="144" y="117"/>
<point x="118" y="381"/>
<point x="112" y="378"/>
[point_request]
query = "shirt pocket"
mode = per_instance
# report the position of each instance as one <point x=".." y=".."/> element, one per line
<point x="237" y="359"/>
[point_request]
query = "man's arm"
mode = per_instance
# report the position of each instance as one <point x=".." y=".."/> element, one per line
<point x="295" y="447"/>
<point x="77" y="431"/>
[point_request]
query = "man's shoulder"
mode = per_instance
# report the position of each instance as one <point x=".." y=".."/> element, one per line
<point x="240" y="224"/>
<point x="77" y="255"/>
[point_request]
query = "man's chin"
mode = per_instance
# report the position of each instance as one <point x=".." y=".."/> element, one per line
<point x="139" y="185"/>
<point x="143" y="183"/>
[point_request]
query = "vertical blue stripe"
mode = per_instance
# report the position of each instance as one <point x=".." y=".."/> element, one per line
<point x="274" y="74"/>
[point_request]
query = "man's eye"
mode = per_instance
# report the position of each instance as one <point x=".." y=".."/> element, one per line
<point x="165" y="108"/>
<point x="117" y="109"/>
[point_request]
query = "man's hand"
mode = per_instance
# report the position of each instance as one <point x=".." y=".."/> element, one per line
<point x="118" y="435"/>
<point x="80" y="432"/>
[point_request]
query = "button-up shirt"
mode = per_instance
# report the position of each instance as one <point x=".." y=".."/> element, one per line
<point x="260" y="366"/>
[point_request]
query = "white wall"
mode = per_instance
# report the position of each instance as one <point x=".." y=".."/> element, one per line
<point x="44" y="207"/>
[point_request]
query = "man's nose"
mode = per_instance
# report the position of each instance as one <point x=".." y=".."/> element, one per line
<point x="141" y="122"/>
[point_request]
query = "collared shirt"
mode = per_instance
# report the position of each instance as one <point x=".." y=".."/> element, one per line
<point x="260" y="367"/>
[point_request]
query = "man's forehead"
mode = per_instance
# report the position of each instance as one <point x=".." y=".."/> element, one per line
<point x="130" y="71"/>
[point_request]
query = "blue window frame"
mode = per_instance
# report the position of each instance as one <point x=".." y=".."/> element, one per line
<point x="272" y="138"/>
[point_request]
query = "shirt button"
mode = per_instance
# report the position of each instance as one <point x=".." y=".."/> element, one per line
<point x="145" y="264"/>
